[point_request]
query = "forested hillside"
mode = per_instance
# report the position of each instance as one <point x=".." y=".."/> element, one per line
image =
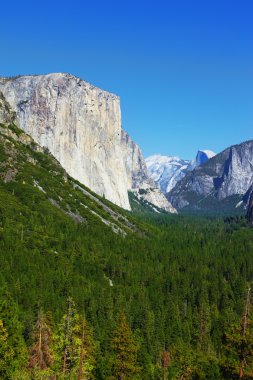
<point x="91" y="292"/>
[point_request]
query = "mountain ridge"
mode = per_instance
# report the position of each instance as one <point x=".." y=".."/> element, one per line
<point x="166" y="171"/>
<point x="225" y="175"/>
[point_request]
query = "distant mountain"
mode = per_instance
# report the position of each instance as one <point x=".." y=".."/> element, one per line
<point x="166" y="171"/>
<point x="223" y="180"/>
<point x="201" y="157"/>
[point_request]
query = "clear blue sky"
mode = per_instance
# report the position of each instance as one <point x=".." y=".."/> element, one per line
<point x="183" y="69"/>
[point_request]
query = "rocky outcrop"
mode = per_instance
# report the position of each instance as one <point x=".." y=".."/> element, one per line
<point x="201" y="158"/>
<point x="136" y="168"/>
<point x="79" y="124"/>
<point x="7" y="116"/>
<point x="138" y="178"/>
<point x="154" y="199"/>
<point x="229" y="173"/>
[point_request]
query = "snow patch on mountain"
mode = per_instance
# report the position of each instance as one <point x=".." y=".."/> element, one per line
<point x="166" y="171"/>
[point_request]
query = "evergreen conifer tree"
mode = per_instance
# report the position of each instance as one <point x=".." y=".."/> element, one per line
<point x="125" y="350"/>
<point x="238" y="356"/>
<point x="74" y="346"/>
<point x="41" y="357"/>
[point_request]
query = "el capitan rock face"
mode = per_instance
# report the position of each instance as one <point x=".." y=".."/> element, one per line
<point x="81" y="127"/>
<point x="79" y="124"/>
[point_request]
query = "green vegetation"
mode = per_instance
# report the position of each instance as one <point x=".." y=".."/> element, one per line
<point x="213" y="207"/>
<point x="166" y="297"/>
<point x="142" y="206"/>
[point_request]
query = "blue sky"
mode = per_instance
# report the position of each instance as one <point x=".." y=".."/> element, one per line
<point x="183" y="69"/>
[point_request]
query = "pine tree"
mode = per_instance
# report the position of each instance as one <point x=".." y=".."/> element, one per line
<point x="203" y="326"/>
<point x="238" y="358"/>
<point x="85" y="348"/>
<point x="125" y="350"/>
<point x="74" y="346"/>
<point x="165" y="363"/>
<point x="40" y="351"/>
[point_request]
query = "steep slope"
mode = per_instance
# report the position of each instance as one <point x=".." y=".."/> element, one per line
<point x="7" y="116"/>
<point x="139" y="181"/>
<point x="30" y="174"/>
<point x="79" y="124"/>
<point x="136" y="168"/>
<point x="150" y="199"/>
<point x="166" y="171"/>
<point x="228" y="175"/>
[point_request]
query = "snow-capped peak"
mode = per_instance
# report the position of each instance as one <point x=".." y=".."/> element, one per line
<point x="158" y="158"/>
<point x="166" y="171"/>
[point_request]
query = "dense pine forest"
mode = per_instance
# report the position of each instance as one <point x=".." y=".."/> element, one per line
<point x="161" y="297"/>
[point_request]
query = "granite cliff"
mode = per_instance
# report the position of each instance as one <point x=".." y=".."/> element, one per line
<point x="136" y="168"/>
<point x="81" y="127"/>
<point x="229" y="174"/>
<point x="79" y="124"/>
<point x="138" y="178"/>
<point x="7" y="116"/>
